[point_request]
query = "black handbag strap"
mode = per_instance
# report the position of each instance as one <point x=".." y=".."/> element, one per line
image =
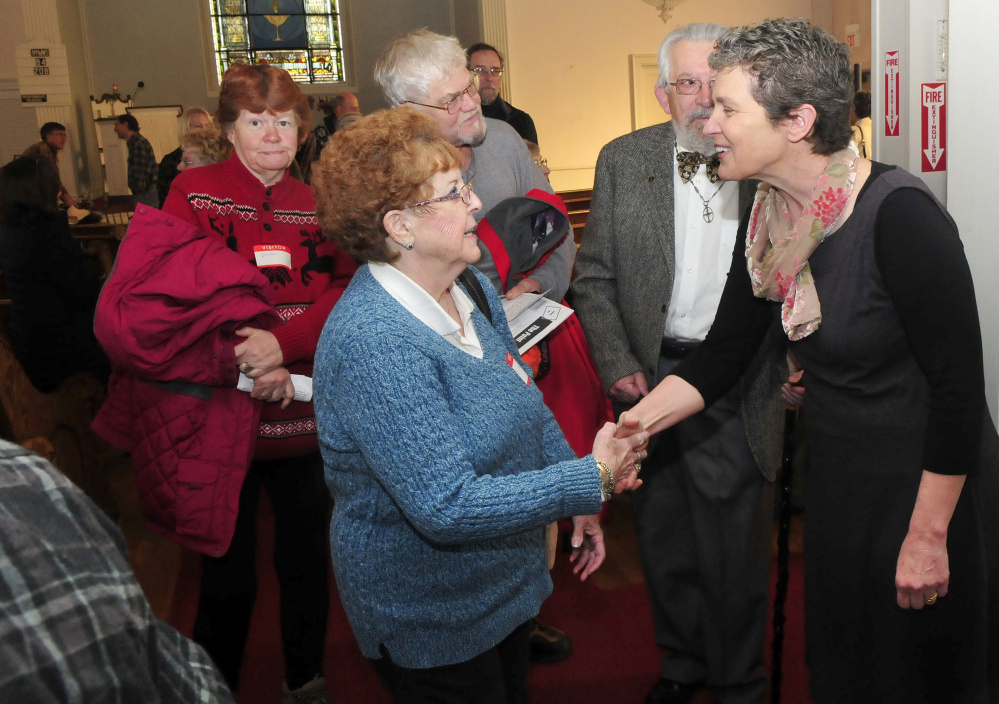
<point x="474" y="288"/>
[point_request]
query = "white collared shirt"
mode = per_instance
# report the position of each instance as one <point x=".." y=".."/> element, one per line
<point x="703" y="253"/>
<point x="421" y="304"/>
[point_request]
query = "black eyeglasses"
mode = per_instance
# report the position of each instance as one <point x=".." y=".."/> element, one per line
<point x="454" y="104"/>
<point x="465" y="193"/>
<point x="482" y="71"/>
<point x="691" y="86"/>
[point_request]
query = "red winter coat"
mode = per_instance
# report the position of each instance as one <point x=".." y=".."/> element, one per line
<point x="166" y="319"/>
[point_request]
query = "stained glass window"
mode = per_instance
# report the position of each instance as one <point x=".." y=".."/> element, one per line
<point x="303" y="37"/>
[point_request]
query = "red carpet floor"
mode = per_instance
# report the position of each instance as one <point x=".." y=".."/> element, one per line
<point x="615" y="659"/>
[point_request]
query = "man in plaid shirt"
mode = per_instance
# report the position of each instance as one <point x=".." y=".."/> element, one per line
<point x="74" y="623"/>
<point x="141" y="162"/>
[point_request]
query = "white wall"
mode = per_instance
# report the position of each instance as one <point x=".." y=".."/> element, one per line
<point x="568" y="66"/>
<point x="972" y="190"/>
<point x="908" y="27"/>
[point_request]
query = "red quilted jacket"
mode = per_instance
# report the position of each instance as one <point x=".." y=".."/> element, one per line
<point x="166" y="319"/>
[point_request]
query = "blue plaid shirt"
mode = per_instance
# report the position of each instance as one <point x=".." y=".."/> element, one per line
<point x="74" y="623"/>
<point x="142" y="165"/>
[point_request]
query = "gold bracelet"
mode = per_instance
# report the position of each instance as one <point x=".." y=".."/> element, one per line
<point x="606" y="480"/>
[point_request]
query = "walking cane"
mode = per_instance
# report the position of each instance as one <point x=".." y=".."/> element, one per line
<point x="784" y="526"/>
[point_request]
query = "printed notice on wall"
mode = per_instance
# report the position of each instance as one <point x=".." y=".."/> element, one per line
<point x="42" y="74"/>
<point x="934" y="126"/>
<point x="891" y="93"/>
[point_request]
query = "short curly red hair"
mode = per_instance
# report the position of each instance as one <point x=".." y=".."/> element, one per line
<point x="261" y="88"/>
<point x="379" y="163"/>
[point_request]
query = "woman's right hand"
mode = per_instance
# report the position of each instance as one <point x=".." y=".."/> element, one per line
<point x="622" y="454"/>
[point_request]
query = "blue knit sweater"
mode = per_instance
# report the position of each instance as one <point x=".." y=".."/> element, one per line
<point x="444" y="470"/>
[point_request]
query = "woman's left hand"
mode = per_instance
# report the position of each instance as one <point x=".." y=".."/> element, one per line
<point x="923" y="570"/>
<point x="588" y="549"/>
<point x="259" y="354"/>
<point x="274" y="386"/>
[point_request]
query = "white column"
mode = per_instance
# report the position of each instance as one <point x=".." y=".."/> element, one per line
<point x="494" y="33"/>
<point x="41" y="21"/>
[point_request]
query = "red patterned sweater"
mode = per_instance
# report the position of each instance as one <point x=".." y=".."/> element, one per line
<point x="226" y="200"/>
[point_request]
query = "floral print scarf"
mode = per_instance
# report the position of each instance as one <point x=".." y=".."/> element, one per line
<point x="777" y="250"/>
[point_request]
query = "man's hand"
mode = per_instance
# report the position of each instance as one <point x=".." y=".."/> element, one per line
<point x="630" y="388"/>
<point x="526" y="286"/>
<point x="793" y="392"/>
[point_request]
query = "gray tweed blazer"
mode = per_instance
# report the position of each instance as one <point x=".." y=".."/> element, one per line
<point x="624" y="279"/>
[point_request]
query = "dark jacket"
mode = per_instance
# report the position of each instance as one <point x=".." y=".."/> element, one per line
<point x="53" y="291"/>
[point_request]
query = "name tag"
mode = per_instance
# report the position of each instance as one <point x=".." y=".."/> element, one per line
<point x="515" y="366"/>
<point x="272" y="255"/>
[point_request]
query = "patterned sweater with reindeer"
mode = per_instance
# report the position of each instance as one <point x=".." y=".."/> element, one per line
<point x="275" y="229"/>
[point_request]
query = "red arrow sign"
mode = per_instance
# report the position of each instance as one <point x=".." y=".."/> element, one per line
<point x="891" y="93"/>
<point x="934" y="131"/>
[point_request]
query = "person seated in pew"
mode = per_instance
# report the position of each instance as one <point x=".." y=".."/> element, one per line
<point x="202" y="147"/>
<point x="51" y="284"/>
<point x="194" y="118"/>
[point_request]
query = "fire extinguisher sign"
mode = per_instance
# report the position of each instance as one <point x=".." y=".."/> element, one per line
<point x="934" y="119"/>
<point x="891" y="93"/>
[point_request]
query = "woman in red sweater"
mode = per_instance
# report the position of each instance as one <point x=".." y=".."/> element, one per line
<point x="257" y="210"/>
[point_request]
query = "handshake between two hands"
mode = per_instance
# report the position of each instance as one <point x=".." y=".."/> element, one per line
<point x="622" y="448"/>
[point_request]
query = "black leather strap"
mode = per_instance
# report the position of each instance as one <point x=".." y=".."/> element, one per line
<point x="474" y="288"/>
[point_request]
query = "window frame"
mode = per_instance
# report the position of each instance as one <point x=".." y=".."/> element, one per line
<point x="346" y="38"/>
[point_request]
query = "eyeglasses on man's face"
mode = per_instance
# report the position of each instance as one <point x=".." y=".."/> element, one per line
<point x="454" y="104"/>
<point x="541" y="162"/>
<point x="482" y="71"/>
<point x="465" y="193"/>
<point x="691" y="86"/>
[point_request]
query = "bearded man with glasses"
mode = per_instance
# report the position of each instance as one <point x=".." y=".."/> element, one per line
<point x="429" y="71"/>
<point x="656" y="255"/>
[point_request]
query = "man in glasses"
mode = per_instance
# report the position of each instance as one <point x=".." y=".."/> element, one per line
<point x="487" y="63"/>
<point x="428" y="71"/>
<point x="657" y="251"/>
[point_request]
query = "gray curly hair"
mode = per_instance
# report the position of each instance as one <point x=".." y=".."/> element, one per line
<point x="416" y="61"/>
<point x="792" y="62"/>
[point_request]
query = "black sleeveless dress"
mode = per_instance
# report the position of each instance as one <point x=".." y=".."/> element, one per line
<point x="868" y="409"/>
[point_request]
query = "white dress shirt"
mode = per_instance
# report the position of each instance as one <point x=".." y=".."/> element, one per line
<point x="703" y="253"/>
<point x="428" y="311"/>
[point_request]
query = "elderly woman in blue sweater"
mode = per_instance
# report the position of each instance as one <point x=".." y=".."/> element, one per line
<point x="444" y="463"/>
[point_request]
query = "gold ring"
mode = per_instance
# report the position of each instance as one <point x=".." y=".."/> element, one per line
<point x="933" y="599"/>
<point x="246" y="367"/>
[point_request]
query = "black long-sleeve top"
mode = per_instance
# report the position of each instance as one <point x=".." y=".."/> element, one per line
<point x="926" y="274"/>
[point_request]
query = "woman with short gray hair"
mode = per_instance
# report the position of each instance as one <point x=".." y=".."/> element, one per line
<point x="892" y="362"/>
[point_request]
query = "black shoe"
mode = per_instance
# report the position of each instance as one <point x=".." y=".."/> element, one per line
<point x="671" y="692"/>
<point x="548" y="645"/>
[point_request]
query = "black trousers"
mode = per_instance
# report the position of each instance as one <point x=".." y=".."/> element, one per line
<point x="703" y="518"/>
<point x="497" y="676"/>
<point x="300" y="499"/>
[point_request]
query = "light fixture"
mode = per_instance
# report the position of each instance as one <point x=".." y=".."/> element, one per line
<point x="665" y="7"/>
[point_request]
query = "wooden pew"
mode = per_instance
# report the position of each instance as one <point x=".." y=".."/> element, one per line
<point x="578" y="204"/>
<point x="57" y="425"/>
